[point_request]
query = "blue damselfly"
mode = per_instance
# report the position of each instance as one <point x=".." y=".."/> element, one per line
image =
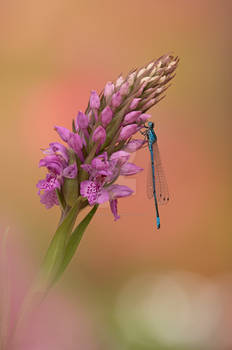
<point x="156" y="184"/>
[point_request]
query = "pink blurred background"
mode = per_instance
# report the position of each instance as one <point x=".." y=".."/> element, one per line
<point x="53" y="53"/>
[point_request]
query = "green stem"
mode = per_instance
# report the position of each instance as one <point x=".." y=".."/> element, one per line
<point x="74" y="241"/>
<point x="61" y="199"/>
<point x="56" y="249"/>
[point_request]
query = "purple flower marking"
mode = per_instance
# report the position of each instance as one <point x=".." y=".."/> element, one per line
<point x="90" y="190"/>
<point x="49" y="199"/>
<point x="53" y="163"/>
<point x="47" y="189"/>
<point x="71" y="171"/>
<point x="50" y="183"/>
<point x="95" y="193"/>
<point x="56" y="161"/>
<point x="99" y="187"/>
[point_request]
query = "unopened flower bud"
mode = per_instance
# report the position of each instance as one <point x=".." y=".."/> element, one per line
<point x="131" y="78"/>
<point x="128" y="131"/>
<point x="106" y="116"/>
<point x="64" y="133"/>
<point x="131" y="117"/>
<point x="82" y="121"/>
<point x="109" y="89"/>
<point x="119" y="81"/>
<point x="162" y="79"/>
<point x="145" y="80"/>
<point x="124" y="89"/>
<point x="134" y="103"/>
<point x="116" y="99"/>
<point x="140" y="72"/>
<point x="148" y="104"/>
<point x="143" y="117"/>
<point x="140" y="91"/>
<point x="94" y="100"/>
<point x="99" y="135"/>
<point x="76" y="143"/>
<point x="149" y="66"/>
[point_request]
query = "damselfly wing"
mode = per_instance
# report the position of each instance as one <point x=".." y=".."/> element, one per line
<point x="161" y="186"/>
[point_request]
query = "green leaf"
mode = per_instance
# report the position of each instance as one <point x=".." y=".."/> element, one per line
<point x="56" y="249"/>
<point x="75" y="239"/>
<point x="60" y="199"/>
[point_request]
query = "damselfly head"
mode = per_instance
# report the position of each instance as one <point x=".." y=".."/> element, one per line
<point x="150" y="125"/>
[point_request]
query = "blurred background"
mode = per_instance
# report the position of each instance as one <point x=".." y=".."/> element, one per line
<point x="129" y="286"/>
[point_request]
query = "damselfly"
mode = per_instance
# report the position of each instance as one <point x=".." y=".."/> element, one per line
<point x="156" y="185"/>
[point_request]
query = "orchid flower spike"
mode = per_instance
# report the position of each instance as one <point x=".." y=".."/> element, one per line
<point x="88" y="165"/>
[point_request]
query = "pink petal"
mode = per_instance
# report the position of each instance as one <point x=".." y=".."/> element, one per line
<point x="120" y="156"/>
<point x="134" y="145"/>
<point x="64" y="133"/>
<point x="114" y="208"/>
<point x="71" y="171"/>
<point x="103" y="196"/>
<point x="119" y="191"/>
<point x="130" y="169"/>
